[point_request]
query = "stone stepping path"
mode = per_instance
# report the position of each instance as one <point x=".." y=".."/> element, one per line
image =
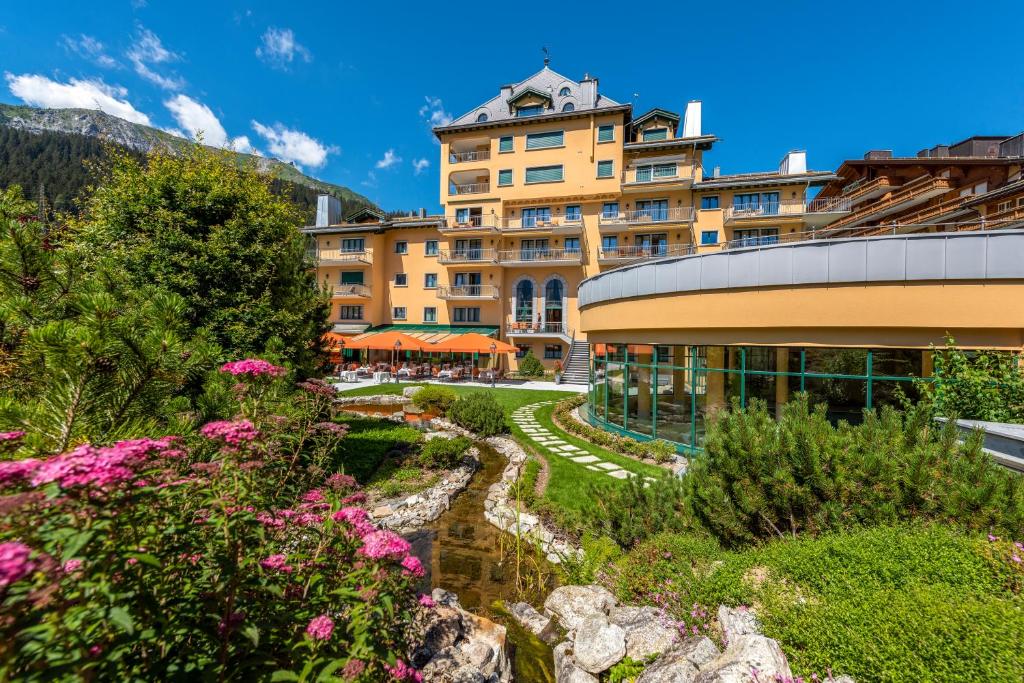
<point x="545" y="440"/>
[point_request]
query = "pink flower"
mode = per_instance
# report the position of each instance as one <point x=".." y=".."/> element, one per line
<point x="350" y="515"/>
<point x="14" y="562"/>
<point x="381" y="544"/>
<point x="330" y="428"/>
<point x="72" y="566"/>
<point x="313" y="496"/>
<point x="320" y="628"/>
<point x="17" y="470"/>
<point x="403" y="672"/>
<point x="277" y="563"/>
<point x="340" y="482"/>
<point x="233" y="434"/>
<point x="427" y="601"/>
<point x="254" y="367"/>
<point x="95" y="651"/>
<point x="992" y="539"/>
<point x="413" y="565"/>
<point x="1016" y="558"/>
<point x="269" y="520"/>
<point x="11" y="436"/>
<point x="104" y="467"/>
<point x="353" y="669"/>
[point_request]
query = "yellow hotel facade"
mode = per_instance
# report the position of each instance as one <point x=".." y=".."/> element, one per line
<point x="544" y="185"/>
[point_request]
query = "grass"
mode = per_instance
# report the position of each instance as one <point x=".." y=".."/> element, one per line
<point x="365" y="448"/>
<point x="509" y="399"/>
<point x="884" y="604"/>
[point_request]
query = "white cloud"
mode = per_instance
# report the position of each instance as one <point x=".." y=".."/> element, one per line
<point x="433" y="111"/>
<point x="91" y="49"/>
<point x="389" y="160"/>
<point x="294" y="145"/>
<point x="280" y="49"/>
<point x="194" y="117"/>
<point x="420" y="165"/>
<point x="41" y="91"/>
<point x="148" y="50"/>
<point x="243" y="145"/>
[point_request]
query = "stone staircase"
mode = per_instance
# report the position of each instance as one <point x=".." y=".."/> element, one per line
<point x="577" y="364"/>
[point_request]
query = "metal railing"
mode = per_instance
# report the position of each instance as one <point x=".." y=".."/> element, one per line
<point x="520" y="256"/>
<point x="639" y="252"/>
<point x="455" y="223"/>
<point x="352" y="290"/>
<point x="343" y="256"/>
<point x="467" y="292"/>
<point x="830" y="205"/>
<point x="539" y="224"/>
<point x="644" y="176"/>
<point x="521" y="328"/>
<point x="765" y="210"/>
<point x="455" y="256"/>
<point x="475" y="155"/>
<point x="469" y="188"/>
<point x="676" y="214"/>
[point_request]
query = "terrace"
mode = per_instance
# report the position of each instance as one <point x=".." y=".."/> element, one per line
<point x="467" y="292"/>
<point x="646" y="217"/>
<point x="541" y="257"/>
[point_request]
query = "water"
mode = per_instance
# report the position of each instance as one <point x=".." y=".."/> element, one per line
<point x="412" y="415"/>
<point x="465" y="554"/>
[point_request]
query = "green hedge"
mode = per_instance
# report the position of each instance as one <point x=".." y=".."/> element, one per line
<point x="658" y="450"/>
<point x="479" y="413"/>
<point x="444" y="453"/>
<point x="434" y="398"/>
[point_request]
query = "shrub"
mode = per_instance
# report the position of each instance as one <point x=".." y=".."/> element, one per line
<point x="598" y="553"/>
<point x="444" y="453"/>
<point x="979" y="385"/>
<point x="636" y="510"/>
<point x="658" y="450"/>
<point x="434" y="398"/>
<point x="479" y="413"/>
<point x="530" y="366"/>
<point x="524" y="489"/>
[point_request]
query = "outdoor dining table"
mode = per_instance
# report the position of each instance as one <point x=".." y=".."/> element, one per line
<point x="405" y="372"/>
<point x="381" y="376"/>
<point x="444" y="374"/>
<point x="350" y="376"/>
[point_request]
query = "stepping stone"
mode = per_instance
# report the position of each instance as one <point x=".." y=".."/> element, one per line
<point x="585" y="459"/>
<point x="619" y="474"/>
<point x="608" y="466"/>
<point x="570" y="447"/>
<point x="596" y="469"/>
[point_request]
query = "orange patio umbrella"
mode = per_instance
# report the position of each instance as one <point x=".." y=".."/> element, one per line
<point x="385" y="341"/>
<point x="471" y="342"/>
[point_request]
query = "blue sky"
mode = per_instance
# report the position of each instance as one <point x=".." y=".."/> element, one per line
<point x="347" y="90"/>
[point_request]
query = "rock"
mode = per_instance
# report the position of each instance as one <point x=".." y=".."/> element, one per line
<point x="409" y="392"/>
<point x="459" y="647"/>
<point x="646" y="635"/>
<point x="746" y="654"/>
<point x="699" y="650"/>
<point x="566" y="668"/>
<point x="737" y="621"/>
<point x="381" y="511"/>
<point x="533" y="621"/>
<point x="571" y="605"/>
<point x="668" y="669"/>
<point x="599" y="645"/>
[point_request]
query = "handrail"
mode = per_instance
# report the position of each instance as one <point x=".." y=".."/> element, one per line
<point x="643" y="252"/>
<point x="537" y="224"/>
<point x="469" y="188"/>
<point x="467" y="292"/>
<point x="673" y="214"/>
<point x="474" y="155"/>
<point x="351" y="290"/>
<point x="471" y="255"/>
<point x="471" y="222"/>
<point x="516" y="328"/>
<point x="540" y="255"/>
<point x="344" y="255"/>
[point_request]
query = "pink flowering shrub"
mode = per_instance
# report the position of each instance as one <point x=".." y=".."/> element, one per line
<point x="253" y="367"/>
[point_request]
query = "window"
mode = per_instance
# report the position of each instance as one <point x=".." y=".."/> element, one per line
<point x="505" y="144"/>
<point x="655" y="134"/>
<point x="430" y="247"/>
<point x="610" y="210"/>
<point x="522" y="350"/>
<point x="709" y="237"/>
<point x="756" y="237"/>
<point x="568" y="106"/>
<point x="544" y="174"/>
<point x="530" y="110"/>
<point x="467" y="315"/>
<point x="1004" y="206"/>
<point x="554" y="138"/>
<point x="430" y="314"/>
<point x="552" y="351"/>
<point x="401" y="279"/>
<point x="533" y="217"/>
<point x="645" y="174"/>
<point x="709" y="202"/>
<point x="401" y="247"/>
<point x="609" y="242"/>
<point x="605" y="169"/>
<point x="481" y="117"/>
<point x="398" y="313"/>
<point x="354" y="245"/>
<point x="351" y="277"/>
<point x="504" y="177"/>
<point x="430" y="280"/>
<point x="564" y="92"/>
<point x="524" y="301"/>
<point x="572" y="245"/>
<point x="531" y="250"/>
<point x="606" y="133"/>
<point x="350" y="312"/>
<point x="765" y="203"/>
<point x="652" y="209"/>
<point x="573" y="213"/>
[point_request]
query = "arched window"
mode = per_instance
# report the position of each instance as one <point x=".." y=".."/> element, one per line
<point x="481" y="117"/>
<point x="524" y="301"/>
<point x="553" y="301"/>
<point x="564" y="92"/>
<point x="568" y="106"/>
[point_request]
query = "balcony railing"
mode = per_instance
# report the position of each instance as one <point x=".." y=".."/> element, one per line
<point x="919" y="190"/>
<point x="457" y="256"/>
<point x="830" y="205"/>
<point x="646" y="176"/>
<point x="641" y="252"/>
<point x="522" y="328"/>
<point x="456" y="223"/>
<point x="469" y="188"/>
<point x="540" y="256"/>
<point x="349" y="291"/>
<point x="467" y="292"/>
<point x="678" y="214"/>
<point x="343" y="256"/>
<point x="475" y="155"/>
<point x="765" y="210"/>
<point x="539" y="224"/>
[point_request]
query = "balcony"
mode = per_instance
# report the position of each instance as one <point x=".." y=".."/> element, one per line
<point x="556" y="226"/>
<point x="549" y="330"/>
<point x="469" y="188"/>
<point x="769" y="210"/>
<point x="630" y="254"/>
<point x="644" y="177"/>
<point x="343" y="257"/>
<point x="468" y="156"/>
<point x="647" y="217"/>
<point x="863" y="190"/>
<point x="351" y="292"/>
<point x="541" y="257"/>
<point x="914" y="193"/>
<point x="469" y="225"/>
<point x="457" y="257"/>
<point x="467" y="292"/>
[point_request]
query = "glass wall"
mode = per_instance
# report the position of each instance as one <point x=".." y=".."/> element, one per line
<point x="668" y="392"/>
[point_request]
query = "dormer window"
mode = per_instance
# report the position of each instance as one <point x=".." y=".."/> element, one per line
<point x="654" y="134"/>
<point x="530" y="110"/>
<point x="568" y="106"/>
<point x="564" y="92"/>
<point x="481" y="117"/>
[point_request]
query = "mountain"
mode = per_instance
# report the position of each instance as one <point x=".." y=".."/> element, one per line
<point x="49" y="146"/>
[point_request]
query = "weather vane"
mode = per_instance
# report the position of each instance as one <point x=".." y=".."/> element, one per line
<point x="547" y="56"/>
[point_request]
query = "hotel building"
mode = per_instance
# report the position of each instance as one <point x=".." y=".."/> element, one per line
<point x="546" y="184"/>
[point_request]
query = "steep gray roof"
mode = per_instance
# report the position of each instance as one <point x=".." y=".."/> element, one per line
<point x="545" y="81"/>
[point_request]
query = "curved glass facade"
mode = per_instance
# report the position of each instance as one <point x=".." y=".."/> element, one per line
<point x="667" y="392"/>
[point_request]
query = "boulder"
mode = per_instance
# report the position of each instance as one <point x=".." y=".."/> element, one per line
<point x="533" y="621"/>
<point x="566" y="668"/>
<point x="599" y="645"/>
<point x="699" y="650"/>
<point x="737" y="621"/>
<point x="409" y="392"/>
<point x="571" y="605"/>
<point x="680" y="663"/>
<point x="646" y="633"/>
<point x="750" y="658"/>
<point x="460" y="647"/>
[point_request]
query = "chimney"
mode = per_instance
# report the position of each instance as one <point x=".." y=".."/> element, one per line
<point x="794" y="163"/>
<point x="588" y="92"/>
<point x="716" y="172"/>
<point x="423" y="213"/>
<point x="876" y="154"/>
<point x="328" y="210"/>
<point x="506" y="93"/>
<point x="691" y="119"/>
